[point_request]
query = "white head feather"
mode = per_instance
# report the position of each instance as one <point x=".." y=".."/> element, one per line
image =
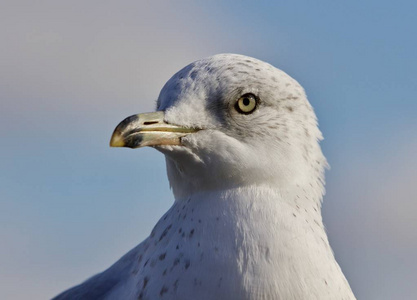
<point x="277" y="144"/>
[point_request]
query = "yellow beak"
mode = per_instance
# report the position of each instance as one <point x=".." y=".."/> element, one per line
<point x="148" y="129"/>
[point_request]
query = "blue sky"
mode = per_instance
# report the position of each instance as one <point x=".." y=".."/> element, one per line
<point x="70" y="71"/>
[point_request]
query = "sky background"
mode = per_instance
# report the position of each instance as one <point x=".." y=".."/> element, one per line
<point x="70" y="206"/>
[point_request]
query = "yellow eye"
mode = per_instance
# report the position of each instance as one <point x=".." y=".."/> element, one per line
<point x="246" y="104"/>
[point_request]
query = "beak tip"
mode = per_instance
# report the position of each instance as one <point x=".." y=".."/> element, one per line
<point x="116" y="141"/>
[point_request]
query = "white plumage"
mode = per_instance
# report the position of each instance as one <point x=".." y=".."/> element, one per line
<point x="248" y="183"/>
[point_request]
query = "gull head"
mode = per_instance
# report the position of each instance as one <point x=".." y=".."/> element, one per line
<point x="228" y="121"/>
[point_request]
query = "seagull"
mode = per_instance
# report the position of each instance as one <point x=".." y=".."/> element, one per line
<point x="241" y="144"/>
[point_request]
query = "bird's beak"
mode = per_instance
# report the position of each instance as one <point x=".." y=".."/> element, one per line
<point x="147" y="129"/>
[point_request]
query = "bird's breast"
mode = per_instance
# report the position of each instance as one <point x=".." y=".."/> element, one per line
<point x="222" y="246"/>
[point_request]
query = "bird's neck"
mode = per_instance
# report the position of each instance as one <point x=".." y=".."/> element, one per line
<point x="304" y="201"/>
<point x="287" y="223"/>
<point x="279" y="238"/>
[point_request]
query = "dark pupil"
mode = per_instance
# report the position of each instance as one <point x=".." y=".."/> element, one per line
<point x="246" y="101"/>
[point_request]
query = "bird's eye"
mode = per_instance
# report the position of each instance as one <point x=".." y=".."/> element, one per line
<point x="246" y="104"/>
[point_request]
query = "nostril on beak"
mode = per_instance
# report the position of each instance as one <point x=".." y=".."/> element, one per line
<point x="150" y="122"/>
